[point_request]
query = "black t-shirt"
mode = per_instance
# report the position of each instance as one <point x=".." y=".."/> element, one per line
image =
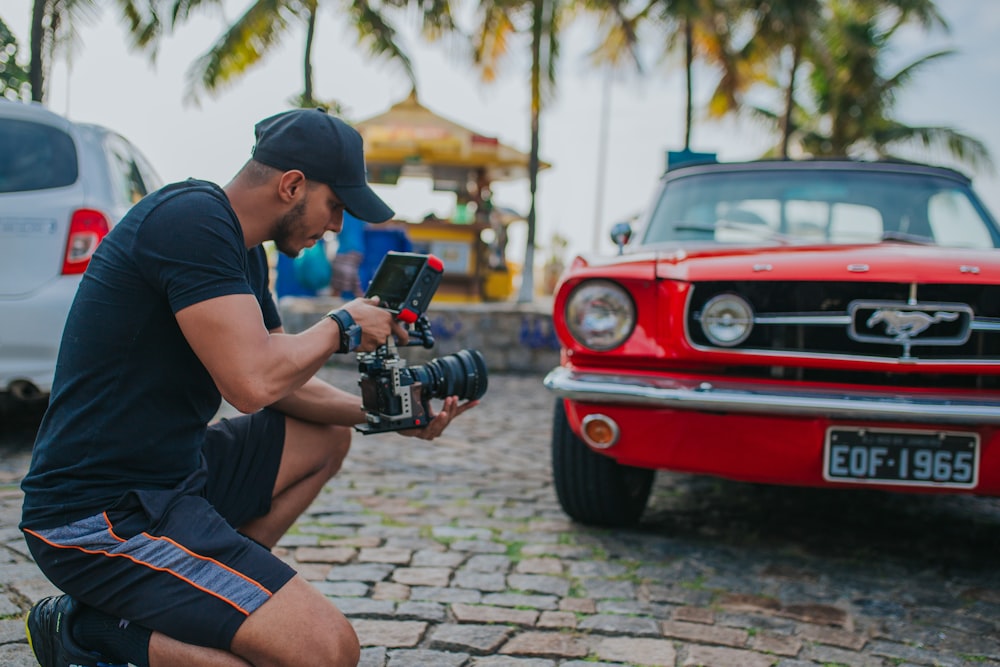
<point x="131" y="401"/>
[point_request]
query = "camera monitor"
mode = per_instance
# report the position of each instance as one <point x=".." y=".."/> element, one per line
<point x="405" y="283"/>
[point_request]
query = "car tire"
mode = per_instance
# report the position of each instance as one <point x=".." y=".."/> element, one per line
<point x="595" y="489"/>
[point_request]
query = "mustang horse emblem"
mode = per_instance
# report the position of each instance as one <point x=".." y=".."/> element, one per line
<point x="908" y="324"/>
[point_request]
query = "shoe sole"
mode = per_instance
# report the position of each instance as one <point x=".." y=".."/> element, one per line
<point x="27" y="632"/>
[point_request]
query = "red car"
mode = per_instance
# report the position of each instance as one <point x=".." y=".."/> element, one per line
<point x="812" y="323"/>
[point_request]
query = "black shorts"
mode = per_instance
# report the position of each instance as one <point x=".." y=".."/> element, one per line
<point x="173" y="560"/>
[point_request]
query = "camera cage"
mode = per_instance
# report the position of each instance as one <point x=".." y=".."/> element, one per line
<point x="405" y="283"/>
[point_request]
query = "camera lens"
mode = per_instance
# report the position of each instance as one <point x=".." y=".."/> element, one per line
<point x="461" y="374"/>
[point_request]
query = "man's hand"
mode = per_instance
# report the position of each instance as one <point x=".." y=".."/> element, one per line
<point x="377" y="324"/>
<point x="438" y="422"/>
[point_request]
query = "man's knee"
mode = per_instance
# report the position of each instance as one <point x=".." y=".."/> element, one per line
<point x="338" y="445"/>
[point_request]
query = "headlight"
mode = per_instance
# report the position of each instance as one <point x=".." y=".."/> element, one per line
<point x="727" y="320"/>
<point x="600" y="314"/>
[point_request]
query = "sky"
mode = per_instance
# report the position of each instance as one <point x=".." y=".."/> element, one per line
<point x="600" y="174"/>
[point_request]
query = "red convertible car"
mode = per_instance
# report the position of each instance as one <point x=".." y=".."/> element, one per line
<point x="814" y="323"/>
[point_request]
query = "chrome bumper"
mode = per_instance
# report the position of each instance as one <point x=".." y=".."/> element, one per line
<point x="674" y="394"/>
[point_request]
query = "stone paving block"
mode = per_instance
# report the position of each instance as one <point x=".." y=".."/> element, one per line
<point x="488" y="563"/>
<point x="425" y="658"/>
<point x="474" y="613"/>
<point x="385" y="555"/>
<point x="370" y="572"/>
<point x="479" y="546"/>
<point x="711" y="656"/>
<point x="422" y="576"/>
<point x="820" y="614"/>
<point x="8" y="607"/>
<point x="35" y="588"/>
<point x="470" y="638"/>
<point x="578" y="605"/>
<point x="340" y="589"/>
<point x="785" y="646"/>
<point x="612" y="624"/>
<point x="365" y="607"/>
<point x="12" y="631"/>
<point x="539" y="583"/>
<point x="637" y="651"/>
<point x="390" y="590"/>
<point x="557" y="619"/>
<point x="540" y="566"/>
<point x="832" y="636"/>
<point x="430" y="558"/>
<point x="361" y="542"/>
<point x="708" y="634"/>
<point x="312" y="571"/>
<point x="603" y="589"/>
<point x="338" y="555"/>
<point x="454" y="532"/>
<point x="373" y="657"/>
<point x="433" y="612"/>
<point x="447" y="595"/>
<point x="897" y="651"/>
<point x="507" y="661"/>
<point x="17" y="655"/>
<point x="694" y="615"/>
<point x="390" y="634"/>
<point x="482" y="581"/>
<point x="541" y="602"/>
<point x="547" y="645"/>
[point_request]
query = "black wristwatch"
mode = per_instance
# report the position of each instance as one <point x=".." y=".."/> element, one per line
<point x="350" y="331"/>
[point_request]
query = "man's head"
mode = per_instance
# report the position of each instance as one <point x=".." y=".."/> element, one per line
<point x="326" y="150"/>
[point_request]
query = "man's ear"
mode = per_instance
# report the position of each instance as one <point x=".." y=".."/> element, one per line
<point x="291" y="185"/>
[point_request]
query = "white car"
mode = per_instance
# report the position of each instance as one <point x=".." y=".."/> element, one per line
<point x="63" y="185"/>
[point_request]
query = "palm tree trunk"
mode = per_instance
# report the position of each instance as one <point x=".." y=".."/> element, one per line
<point x="36" y="67"/>
<point x="786" y="120"/>
<point x="307" y="68"/>
<point x="526" y="293"/>
<point x="688" y="67"/>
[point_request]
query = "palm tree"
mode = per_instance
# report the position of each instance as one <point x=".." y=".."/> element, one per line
<point x="54" y="25"/>
<point x="851" y="101"/>
<point x="700" y="29"/>
<point x="13" y="75"/>
<point x="788" y="35"/>
<point x="499" y="21"/>
<point x="248" y="40"/>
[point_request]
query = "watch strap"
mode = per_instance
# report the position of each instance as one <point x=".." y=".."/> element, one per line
<point x="350" y="331"/>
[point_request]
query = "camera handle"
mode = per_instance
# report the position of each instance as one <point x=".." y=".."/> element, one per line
<point x="422" y="334"/>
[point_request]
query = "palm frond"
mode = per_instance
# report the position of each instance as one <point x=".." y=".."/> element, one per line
<point x="241" y="47"/>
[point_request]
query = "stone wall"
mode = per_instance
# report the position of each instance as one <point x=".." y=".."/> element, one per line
<point x="513" y="337"/>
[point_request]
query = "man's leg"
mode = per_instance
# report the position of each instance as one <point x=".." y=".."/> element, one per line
<point x="298" y="624"/>
<point x="312" y="455"/>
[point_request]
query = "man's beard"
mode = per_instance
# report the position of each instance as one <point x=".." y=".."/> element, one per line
<point x="286" y="228"/>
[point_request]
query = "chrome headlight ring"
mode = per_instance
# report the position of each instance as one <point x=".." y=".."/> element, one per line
<point x="727" y="320"/>
<point x="600" y="314"/>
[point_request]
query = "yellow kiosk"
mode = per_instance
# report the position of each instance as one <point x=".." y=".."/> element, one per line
<point x="410" y="141"/>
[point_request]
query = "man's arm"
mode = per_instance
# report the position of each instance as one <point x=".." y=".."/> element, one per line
<point x="253" y="367"/>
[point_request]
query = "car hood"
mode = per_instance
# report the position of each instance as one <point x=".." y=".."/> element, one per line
<point x="892" y="262"/>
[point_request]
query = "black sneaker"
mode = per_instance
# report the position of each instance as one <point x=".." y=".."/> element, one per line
<point x="49" y="636"/>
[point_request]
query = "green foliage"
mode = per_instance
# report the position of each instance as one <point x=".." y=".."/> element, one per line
<point x="13" y="76"/>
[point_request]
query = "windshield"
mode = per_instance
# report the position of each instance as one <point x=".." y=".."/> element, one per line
<point x="819" y="207"/>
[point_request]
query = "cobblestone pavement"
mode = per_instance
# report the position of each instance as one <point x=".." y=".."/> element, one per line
<point x="455" y="554"/>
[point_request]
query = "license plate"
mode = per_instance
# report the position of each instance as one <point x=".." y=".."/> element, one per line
<point x="901" y="457"/>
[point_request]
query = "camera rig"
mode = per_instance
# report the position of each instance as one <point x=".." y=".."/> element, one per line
<point x="394" y="396"/>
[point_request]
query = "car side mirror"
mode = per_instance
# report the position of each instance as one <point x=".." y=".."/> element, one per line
<point x="621" y="233"/>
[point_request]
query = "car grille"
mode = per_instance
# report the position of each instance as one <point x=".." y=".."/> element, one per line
<point x="914" y="323"/>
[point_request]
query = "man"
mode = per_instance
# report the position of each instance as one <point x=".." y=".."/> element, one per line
<point x="156" y="526"/>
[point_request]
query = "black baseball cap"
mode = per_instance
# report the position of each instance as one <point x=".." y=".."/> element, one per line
<point x="325" y="149"/>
